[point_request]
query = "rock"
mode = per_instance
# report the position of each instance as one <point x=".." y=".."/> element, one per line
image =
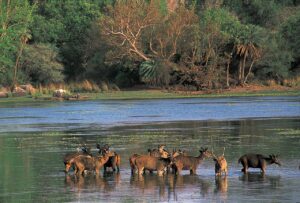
<point x="59" y="93"/>
<point x="3" y="94"/>
<point x="18" y="92"/>
<point x="104" y="87"/>
<point x="114" y="87"/>
<point x="28" y="88"/>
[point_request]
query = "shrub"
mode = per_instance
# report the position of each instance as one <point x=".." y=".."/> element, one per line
<point x="41" y="65"/>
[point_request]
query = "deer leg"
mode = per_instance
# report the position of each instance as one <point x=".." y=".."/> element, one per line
<point x="193" y="171"/>
<point x="160" y="172"/>
<point x="245" y="167"/>
<point x="141" y="170"/>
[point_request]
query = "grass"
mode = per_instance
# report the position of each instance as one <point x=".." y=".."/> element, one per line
<point x="152" y="94"/>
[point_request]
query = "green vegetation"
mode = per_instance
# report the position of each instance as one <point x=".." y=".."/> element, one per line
<point x="194" y="45"/>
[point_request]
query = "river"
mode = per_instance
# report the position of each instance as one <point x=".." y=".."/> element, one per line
<point x="35" y="136"/>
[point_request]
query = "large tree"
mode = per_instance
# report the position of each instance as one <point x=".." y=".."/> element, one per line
<point x="15" y="18"/>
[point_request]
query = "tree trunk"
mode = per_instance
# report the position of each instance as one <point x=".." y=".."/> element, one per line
<point x="240" y="72"/>
<point x="23" y="42"/>
<point x="249" y="71"/>
<point x="243" y="68"/>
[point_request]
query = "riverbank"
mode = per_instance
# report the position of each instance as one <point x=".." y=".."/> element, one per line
<point x="168" y="94"/>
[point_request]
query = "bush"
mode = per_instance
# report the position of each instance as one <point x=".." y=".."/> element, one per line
<point x="40" y="64"/>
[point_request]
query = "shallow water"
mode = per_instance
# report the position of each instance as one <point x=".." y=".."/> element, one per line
<point x="34" y="138"/>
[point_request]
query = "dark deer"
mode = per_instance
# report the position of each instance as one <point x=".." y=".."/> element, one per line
<point x="182" y="162"/>
<point x="258" y="161"/>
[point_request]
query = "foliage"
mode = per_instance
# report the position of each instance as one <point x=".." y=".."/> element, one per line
<point x="15" y="17"/>
<point x="40" y="64"/>
<point x="155" y="72"/>
<point x="259" y="12"/>
<point x="65" y="24"/>
<point x="290" y="31"/>
<point x="198" y="44"/>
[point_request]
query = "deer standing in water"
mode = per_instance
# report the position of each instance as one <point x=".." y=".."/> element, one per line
<point x="258" y="161"/>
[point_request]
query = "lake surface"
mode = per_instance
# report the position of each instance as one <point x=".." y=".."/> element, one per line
<point x="34" y="137"/>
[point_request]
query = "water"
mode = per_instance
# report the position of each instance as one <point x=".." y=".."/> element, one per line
<point x="35" y="136"/>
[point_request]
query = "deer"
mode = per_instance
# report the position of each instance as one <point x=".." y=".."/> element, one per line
<point x="162" y="154"/>
<point x="147" y="162"/>
<point x="220" y="164"/>
<point x="258" y="161"/>
<point x="114" y="161"/>
<point x="159" y="152"/>
<point x="191" y="163"/>
<point x="85" y="152"/>
<point x="82" y="163"/>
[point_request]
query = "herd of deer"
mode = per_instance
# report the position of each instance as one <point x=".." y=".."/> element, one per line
<point x="159" y="160"/>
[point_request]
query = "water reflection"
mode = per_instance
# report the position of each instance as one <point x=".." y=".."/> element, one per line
<point x="262" y="178"/>
<point x="221" y="187"/>
<point x="105" y="183"/>
<point x="170" y="186"/>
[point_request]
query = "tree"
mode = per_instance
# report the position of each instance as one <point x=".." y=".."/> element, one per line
<point x="147" y="33"/>
<point x="41" y="65"/>
<point x="125" y="25"/>
<point x="290" y="31"/>
<point x="15" y="18"/>
<point x="65" y="24"/>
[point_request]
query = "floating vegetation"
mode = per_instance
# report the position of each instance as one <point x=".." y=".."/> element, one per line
<point x="290" y="132"/>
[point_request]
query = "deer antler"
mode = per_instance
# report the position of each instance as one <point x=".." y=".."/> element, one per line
<point x="223" y="151"/>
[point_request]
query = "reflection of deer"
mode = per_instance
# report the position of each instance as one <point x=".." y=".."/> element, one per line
<point x="176" y="183"/>
<point x="221" y="184"/>
<point x="149" y="184"/>
<point x="106" y="183"/>
<point x="221" y="187"/>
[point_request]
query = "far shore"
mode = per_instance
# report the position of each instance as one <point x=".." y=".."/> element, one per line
<point x="133" y="94"/>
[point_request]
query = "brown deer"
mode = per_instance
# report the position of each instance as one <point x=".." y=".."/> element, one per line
<point x="146" y="162"/>
<point x="85" y="152"/>
<point x="162" y="154"/>
<point x="159" y="152"/>
<point x="132" y="159"/>
<point x="82" y="163"/>
<point x="258" y="161"/>
<point x="114" y="161"/>
<point x="220" y="164"/>
<point x="182" y="162"/>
